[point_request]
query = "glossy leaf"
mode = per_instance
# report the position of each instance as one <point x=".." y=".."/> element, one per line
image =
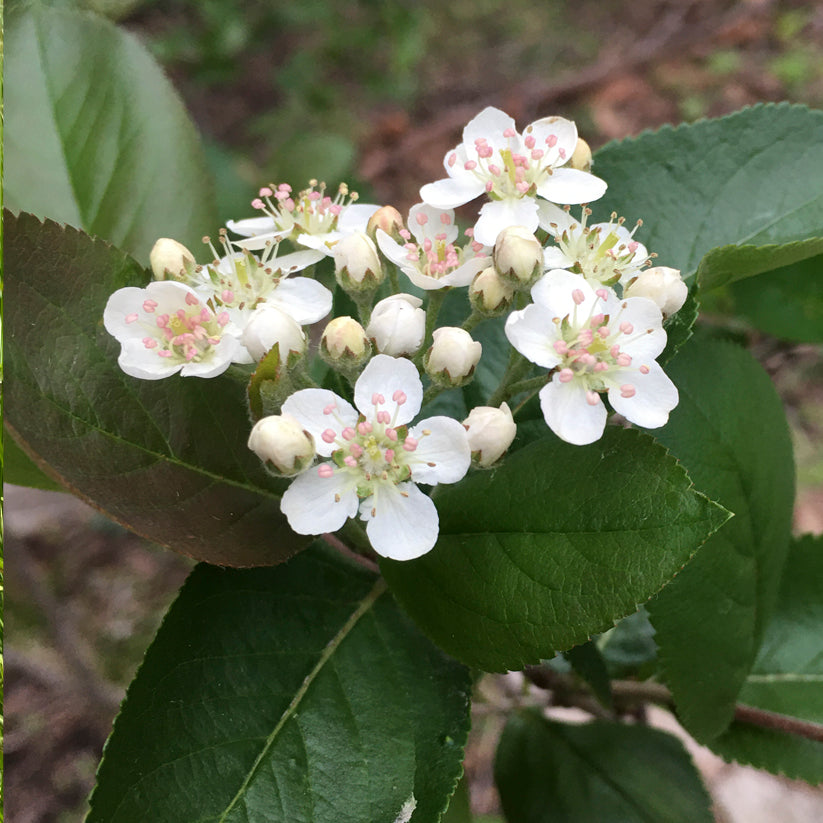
<point x="753" y="180"/>
<point x="95" y="135"/>
<point x="166" y="458"/>
<point x="295" y="693"/>
<point x="787" y="676"/>
<point x="18" y="468"/>
<point x="730" y="432"/>
<point x="552" y="547"/>
<point x="595" y="772"/>
<point x="786" y="302"/>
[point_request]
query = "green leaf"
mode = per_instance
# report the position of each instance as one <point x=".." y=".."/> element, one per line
<point x="679" y="327"/>
<point x="167" y="458"/>
<point x="95" y="135"/>
<point x="730" y="432"/>
<point x="552" y="547"/>
<point x="629" y="648"/>
<point x="18" y="468"/>
<point x="459" y="810"/>
<point x="295" y="693"/>
<point x="589" y="664"/>
<point x="595" y="772"/>
<point x="787" y="676"/>
<point x="786" y="302"/>
<point x="753" y="179"/>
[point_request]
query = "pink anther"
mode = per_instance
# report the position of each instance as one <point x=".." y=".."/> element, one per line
<point x="565" y="375"/>
<point x="422" y="219"/>
<point x="149" y="342"/>
<point x="325" y="470"/>
<point x="227" y="296"/>
<point x="365" y="427"/>
<point x="470" y="165"/>
<point x="624" y="359"/>
<point x="130" y="318"/>
<point x="578" y="296"/>
<point x="350" y="461"/>
<point x="561" y="347"/>
<point x="626" y="328"/>
<point x="149" y="306"/>
<point x="510" y="132"/>
<point x="329" y="436"/>
<point x="445" y="219"/>
<point x="489" y="187"/>
<point x="330" y="408"/>
<point x="410" y="444"/>
<point x="551" y="140"/>
<point x="627" y="390"/>
<point x="383" y="417"/>
<point x="562" y="153"/>
<point x="644" y="369"/>
<point x="604" y="332"/>
<point x="377" y="399"/>
<point x="389" y="455"/>
<point x="601" y="366"/>
<point x="592" y="398"/>
<point x="452" y="159"/>
<point x="603" y="294"/>
<point x="265" y="192"/>
<point x="392" y="434"/>
<point x="223" y="318"/>
<point x="257" y="203"/>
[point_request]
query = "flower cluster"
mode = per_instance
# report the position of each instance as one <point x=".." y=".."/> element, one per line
<point x="579" y="302"/>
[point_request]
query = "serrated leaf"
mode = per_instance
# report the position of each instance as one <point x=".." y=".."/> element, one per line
<point x="595" y="772"/>
<point x="589" y="664"/>
<point x="753" y="179"/>
<point x="730" y="432"/>
<point x="95" y="135"/>
<point x="552" y="547"/>
<point x="295" y="693"/>
<point x="787" y="676"/>
<point x="786" y="303"/>
<point x="679" y="327"/>
<point x="167" y="458"/>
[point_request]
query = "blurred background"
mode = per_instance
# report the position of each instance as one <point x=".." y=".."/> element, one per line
<point x="375" y="92"/>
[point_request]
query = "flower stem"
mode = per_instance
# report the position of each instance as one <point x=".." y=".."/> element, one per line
<point x="515" y="371"/>
<point x="472" y="320"/>
<point x="394" y="280"/>
<point x="436" y="298"/>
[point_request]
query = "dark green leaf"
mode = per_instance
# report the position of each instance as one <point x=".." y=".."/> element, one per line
<point x="552" y="547"/>
<point x="679" y="327"/>
<point x="787" y="302"/>
<point x="730" y="432"/>
<point x="95" y="135"/>
<point x="787" y="676"/>
<point x="753" y="179"/>
<point x="629" y="647"/>
<point x="595" y="772"/>
<point x="167" y="458"/>
<point x="19" y="468"/>
<point x="459" y="810"/>
<point x="295" y="693"/>
<point x="588" y="663"/>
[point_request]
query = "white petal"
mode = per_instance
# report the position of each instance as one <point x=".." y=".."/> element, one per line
<point x="432" y="223"/>
<point x="251" y="226"/>
<point x="306" y="300"/>
<point x="355" y="217"/>
<point x="316" y="505"/>
<point x="553" y="219"/>
<point x="385" y="375"/>
<point x="392" y="249"/>
<point x="446" y="446"/>
<point x="258" y="242"/>
<point x="571" y="186"/>
<point x="532" y="332"/>
<point x="568" y="413"/>
<point x="655" y="396"/>
<point x="559" y="127"/>
<point x="463" y="275"/>
<point x="555" y="291"/>
<point x="122" y="303"/>
<point x="296" y="261"/>
<point x="138" y="361"/>
<point x="309" y="407"/>
<point x="490" y="124"/>
<point x="642" y="344"/>
<point x="405" y="522"/>
<point x="218" y="360"/>
<point x="553" y="258"/>
<point x="451" y="192"/>
<point x="500" y="214"/>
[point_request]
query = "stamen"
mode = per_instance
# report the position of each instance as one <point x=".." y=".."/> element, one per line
<point x="627" y="390"/>
<point x="329" y="436"/>
<point x="348" y="433"/>
<point x="592" y="398"/>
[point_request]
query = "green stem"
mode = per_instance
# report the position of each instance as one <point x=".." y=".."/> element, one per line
<point x="515" y="371"/>
<point x="430" y="393"/>
<point x="472" y="320"/>
<point x="436" y="299"/>
<point x="394" y="280"/>
<point x="528" y="385"/>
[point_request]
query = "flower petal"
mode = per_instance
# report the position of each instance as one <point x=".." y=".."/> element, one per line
<point x="296" y="261"/>
<point x="553" y="219"/>
<point x="355" y="217"/>
<point x="655" y="396"/>
<point x="432" y="223"/>
<point x="392" y="249"/>
<point x="532" y="332"/>
<point x="316" y="505"/>
<point x="490" y="124"/>
<point x="138" y="361"/>
<point x="571" y="186"/>
<point x="384" y="376"/>
<point x="454" y="191"/>
<point x="568" y="413"/>
<point x="562" y="133"/>
<point x="309" y="407"/>
<point x="649" y="337"/>
<point x="401" y="521"/>
<point x="500" y="214"/>
<point x="252" y="226"/>
<point x="443" y="454"/>
<point x="306" y="300"/>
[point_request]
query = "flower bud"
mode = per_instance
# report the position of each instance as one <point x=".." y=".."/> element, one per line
<point x="389" y="220"/>
<point x="344" y="342"/>
<point x="581" y="158"/>
<point x="171" y="260"/>
<point x="452" y="357"/>
<point x="489" y="294"/>
<point x="518" y="257"/>
<point x="662" y="285"/>
<point x="398" y="325"/>
<point x="490" y="432"/>
<point x="282" y="444"/>
<point x="268" y="327"/>
<point x="357" y="265"/>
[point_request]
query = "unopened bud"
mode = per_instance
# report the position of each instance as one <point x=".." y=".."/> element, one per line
<point x="389" y="220"/>
<point x="280" y="441"/>
<point x="662" y="285"/>
<point x="452" y="357"/>
<point x="398" y="325"/>
<point x="518" y="257"/>
<point x="581" y="158"/>
<point x="171" y="260"/>
<point x="489" y="294"/>
<point x="491" y="431"/>
<point x="344" y="342"/>
<point x="269" y="327"/>
<point x="357" y="265"/>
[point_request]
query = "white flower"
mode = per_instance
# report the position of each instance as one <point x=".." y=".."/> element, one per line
<point x="344" y="340"/>
<point x="593" y="342"/>
<point x="376" y="461"/>
<point x="434" y="261"/>
<point x="604" y="253"/>
<point x="489" y="294"/>
<point x="311" y="218"/>
<point x="398" y="325"/>
<point x="280" y="441"/>
<point x="170" y="260"/>
<point x="166" y="328"/>
<point x="357" y="265"/>
<point x="513" y="170"/>
<point x="491" y="431"/>
<point x="268" y="326"/>
<point x="452" y="357"/>
<point x="663" y="285"/>
<point x="518" y="256"/>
